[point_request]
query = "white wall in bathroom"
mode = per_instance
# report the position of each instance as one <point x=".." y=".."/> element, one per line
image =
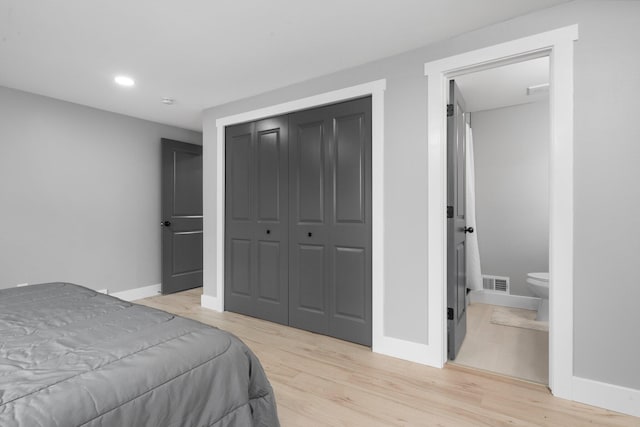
<point x="512" y="191"/>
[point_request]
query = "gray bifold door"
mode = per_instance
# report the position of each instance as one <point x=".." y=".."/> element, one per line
<point x="181" y="216"/>
<point x="456" y="221"/>
<point x="330" y="271"/>
<point x="257" y="219"/>
<point x="309" y="205"/>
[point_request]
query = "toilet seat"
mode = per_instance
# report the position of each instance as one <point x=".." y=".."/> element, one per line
<point x="539" y="276"/>
<point x="539" y="285"/>
<point x="541" y="279"/>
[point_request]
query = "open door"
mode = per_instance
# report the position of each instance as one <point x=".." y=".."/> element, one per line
<point x="181" y="216"/>
<point x="456" y="222"/>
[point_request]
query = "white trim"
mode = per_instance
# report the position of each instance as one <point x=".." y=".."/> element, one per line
<point x="612" y="397"/>
<point x="138" y="293"/>
<point x="212" y="303"/>
<point x="482" y="296"/>
<point x="381" y="343"/>
<point x="559" y="45"/>
<point x="402" y="349"/>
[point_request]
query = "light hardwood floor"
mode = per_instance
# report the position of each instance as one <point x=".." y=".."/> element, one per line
<point x="517" y="352"/>
<point x="321" y="381"/>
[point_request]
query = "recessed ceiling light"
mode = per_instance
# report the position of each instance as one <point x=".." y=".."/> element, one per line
<point x="124" y="81"/>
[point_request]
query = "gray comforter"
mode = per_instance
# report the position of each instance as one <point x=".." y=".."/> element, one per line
<point x="72" y="357"/>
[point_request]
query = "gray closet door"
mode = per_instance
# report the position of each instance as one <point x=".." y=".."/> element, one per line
<point x="456" y="222"/>
<point x="330" y="210"/>
<point x="181" y="216"/>
<point x="256" y="219"/>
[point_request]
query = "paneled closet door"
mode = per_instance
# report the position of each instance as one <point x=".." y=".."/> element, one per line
<point x="257" y="219"/>
<point x="330" y="206"/>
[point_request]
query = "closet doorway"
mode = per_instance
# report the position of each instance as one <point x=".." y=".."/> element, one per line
<point x="298" y="220"/>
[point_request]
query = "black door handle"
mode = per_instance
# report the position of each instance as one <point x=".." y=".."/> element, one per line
<point x="468" y="229"/>
<point x="268" y="231"/>
<point x="309" y="234"/>
<point x="166" y="223"/>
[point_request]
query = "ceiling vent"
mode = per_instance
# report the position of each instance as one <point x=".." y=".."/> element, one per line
<point x="496" y="284"/>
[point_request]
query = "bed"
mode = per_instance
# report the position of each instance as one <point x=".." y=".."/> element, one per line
<point x="70" y="356"/>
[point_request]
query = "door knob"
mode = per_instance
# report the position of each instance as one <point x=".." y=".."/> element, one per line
<point x="309" y="234"/>
<point x="166" y="223"/>
<point x="468" y="229"/>
<point x="268" y="231"/>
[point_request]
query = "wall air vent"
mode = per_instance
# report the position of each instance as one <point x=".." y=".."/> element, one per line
<point x="496" y="284"/>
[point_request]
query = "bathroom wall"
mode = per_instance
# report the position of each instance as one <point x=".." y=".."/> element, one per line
<point x="80" y="194"/>
<point x="511" y="153"/>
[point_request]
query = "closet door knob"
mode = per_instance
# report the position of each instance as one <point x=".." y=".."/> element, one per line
<point x="468" y="229"/>
<point x="166" y="223"/>
<point x="309" y="234"/>
<point x="268" y="231"/>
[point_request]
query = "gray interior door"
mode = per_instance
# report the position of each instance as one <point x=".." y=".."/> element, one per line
<point x="330" y="195"/>
<point x="257" y="219"/>
<point x="456" y="225"/>
<point x="181" y="216"/>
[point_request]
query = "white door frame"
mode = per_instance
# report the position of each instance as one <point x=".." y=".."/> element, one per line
<point x="558" y="45"/>
<point x="376" y="90"/>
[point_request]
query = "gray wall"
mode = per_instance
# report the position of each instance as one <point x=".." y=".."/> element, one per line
<point x="80" y="194"/>
<point x="511" y="152"/>
<point x="607" y="245"/>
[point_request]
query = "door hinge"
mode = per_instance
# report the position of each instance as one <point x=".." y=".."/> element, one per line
<point x="449" y="211"/>
<point x="449" y="110"/>
<point x="449" y="313"/>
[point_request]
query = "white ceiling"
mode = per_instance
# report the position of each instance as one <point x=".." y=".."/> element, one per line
<point x="504" y="86"/>
<point x="205" y="53"/>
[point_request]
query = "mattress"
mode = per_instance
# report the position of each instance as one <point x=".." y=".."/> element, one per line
<point x="70" y="356"/>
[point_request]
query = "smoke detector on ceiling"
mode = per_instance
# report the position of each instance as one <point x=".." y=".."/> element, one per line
<point x="537" y="89"/>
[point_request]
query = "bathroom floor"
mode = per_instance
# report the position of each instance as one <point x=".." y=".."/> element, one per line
<point x="516" y="352"/>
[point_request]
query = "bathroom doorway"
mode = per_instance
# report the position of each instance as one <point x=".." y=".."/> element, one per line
<point x="558" y="44"/>
<point x="498" y="219"/>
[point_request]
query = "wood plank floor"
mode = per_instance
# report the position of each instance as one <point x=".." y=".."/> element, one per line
<point x="321" y="381"/>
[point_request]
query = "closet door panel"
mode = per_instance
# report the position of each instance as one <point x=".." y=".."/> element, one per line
<point x="311" y="278"/>
<point x="349" y="169"/>
<point x="309" y="263"/>
<point x="350" y="233"/>
<point x="240" y="271"/>
<point x="269" y="276"/>
<point x="309" y="179"/>
<point x="350" y="283"/>
<point x="238" y="268"/>
<point x="269" y="175"/>
<point x="240" y="175"/>
<point x="331" y="151"/>
<point x="256" y="219"/>
<point x="272" y="220"/>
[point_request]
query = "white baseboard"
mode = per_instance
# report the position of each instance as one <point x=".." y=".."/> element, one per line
<point x="608" y="396"/>
<point x="406" y="350"/>
<point x="210" y="302"/>
<point x="505" y="300"/>
<point x="138" y="293"/>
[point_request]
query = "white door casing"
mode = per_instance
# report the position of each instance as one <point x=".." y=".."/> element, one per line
<point x="558" y="45"/>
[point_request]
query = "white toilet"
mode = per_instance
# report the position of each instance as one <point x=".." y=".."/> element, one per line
<point x="539" y="285"/>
